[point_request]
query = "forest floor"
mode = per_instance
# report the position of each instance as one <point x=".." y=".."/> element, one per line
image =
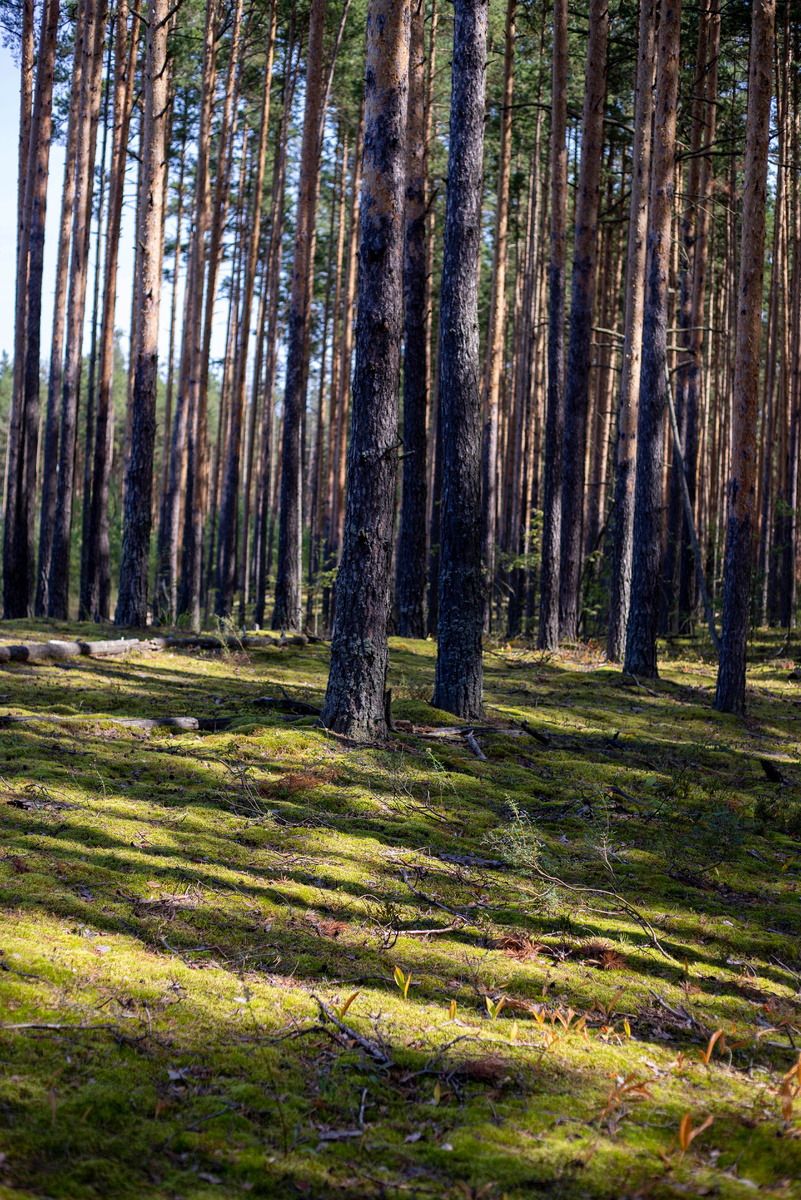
<point x="266" y="960"/>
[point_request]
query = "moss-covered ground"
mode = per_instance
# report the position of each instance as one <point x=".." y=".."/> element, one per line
<point x="269" y="961"/>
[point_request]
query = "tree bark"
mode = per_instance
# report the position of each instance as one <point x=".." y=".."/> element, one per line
<point x="287" y="613"/>
<point x="632" y="338"/>
<point x="459" y="675"/>
<point x="19" y="562"/>
<point x="730" y="691"/>
<point x="548" y="632"/>
<point x="644" y="611"/>
<point x="354" y="701"/>
<point x="93" y="44"/>
<point x="410" y="587"/>
<point x="497" y="325"/>
<point x="133" y="594"/>
<point x="230" y="497"/>
<point x="582" y="308"/>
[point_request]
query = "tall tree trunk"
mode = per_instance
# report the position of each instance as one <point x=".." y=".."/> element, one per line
<point x="230" y="497"/>
<point x="497" y="325"/>
<point x="19" y="561"/>
<point x="459" y="675"/>
<point x="582" y="308"/>
<point x="730" y="691"/>
<point x="548" y="632"/>
<point x="687" y="580"/>
<point x="197" y="459"/>
<point x="644" y="611"/>
<point x="410" y="586"/>
<point x="354" y="701"/>
<point x="789" y="567"/>
<point x="47" y="514"/>
<point x="287" y="613"/>
<point x="632" y="337"/>
<point x="93" y="44"/>
<point x="132" y="600"/>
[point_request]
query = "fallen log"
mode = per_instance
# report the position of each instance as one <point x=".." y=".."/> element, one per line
<point x="33" y="651"/>
<point x="184" y="724"/>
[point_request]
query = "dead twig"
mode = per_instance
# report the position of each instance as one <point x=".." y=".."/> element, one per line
<point x="345" y="1031"/>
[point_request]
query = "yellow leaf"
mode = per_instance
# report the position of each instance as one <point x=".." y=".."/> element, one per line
<point x="627" y="1027"/>
<point x="347" y="1004"/>
<point x="399" y="978"/>
<point x="452" y="1010"/>
<point x="513" y="1032"/>
<point x="437" y="1092"/>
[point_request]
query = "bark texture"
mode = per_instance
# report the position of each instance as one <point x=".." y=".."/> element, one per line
<point x="287" y="613"/>
<point x="137" y="515"/>
<point x="354" y="702"/>
<point x="730" y="692"/>
<point x="632" y="335"/>
<point x="410" y="588"/>
<point x="582" y="309"/>
<point x="548" y="632"/>
<point x="644" y="610"/>
<point x="459" y="675"/>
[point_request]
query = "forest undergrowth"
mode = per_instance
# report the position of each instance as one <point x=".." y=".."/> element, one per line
<point x="554" y="955"/>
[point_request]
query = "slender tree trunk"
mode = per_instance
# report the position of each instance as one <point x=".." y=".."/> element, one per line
<point x="354" y="701"/>
<point x="287" y="613"/>
<point x="133" y="594"/>
<point x="93" y="44"/>
<point x="410" y="587"/>
<point x="197" y="460"/>
<point x="582" y="308"/>
<point x="497" y="325"/>
<point x="644" y="611"/>
<point x="688" y="581"/>
<point x="459" y="676"/>
<point x="19" y="561"/>
<point x="632" y="338"/>
<point x="230" y="497"/>
<point x="47" y="514"/>
<point x="789" y="566"/>
<point x="730" y="692"/>
<point x="548" y="632"/>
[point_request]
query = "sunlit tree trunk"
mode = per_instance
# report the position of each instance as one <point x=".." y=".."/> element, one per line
<point x="354" y="702"/>
<point x="133" y="594"/>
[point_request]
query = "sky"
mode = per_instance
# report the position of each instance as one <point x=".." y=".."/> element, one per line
<point x="9" y="125"/>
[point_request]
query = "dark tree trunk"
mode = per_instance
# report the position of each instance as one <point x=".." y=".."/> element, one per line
<point x="548" y="633"/>
<point x="288" y="613"/>
<point x="354" y="701"/>
<point x="632" y="344"/>
<point x="459" y="675"/>
<point x="19" y="553"/>
<point x="137" y="516"/>
<point x="582" y="308"/>
<point x="730" y="692"/>
<point x="410" y="587"/>
<point x="644" y="612"/>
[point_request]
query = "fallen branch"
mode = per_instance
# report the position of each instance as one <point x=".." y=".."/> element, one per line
<point x="430" y="899"/>
<point x="681" y="1014"/>
<point x="33" y="651"/>
<point x="370" y="1048"/>
<point x="184" y="724"/>
<point x="474" y="746"/>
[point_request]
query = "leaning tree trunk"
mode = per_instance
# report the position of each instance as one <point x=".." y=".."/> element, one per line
<point x="496" y="334"/>
<point x="93" y="43"/>
<point x="354" y="700"/>
<point x="459" y="676"/>
<point x="410" y="586"/>
<point x="730" y="692"/>
<point x="548" y="633"/>
<point x="632" y="338"/>
<point x="287" y="613"/>
<point x="582" y="308"/>
<point x="644" y="612"/>
<point x="137" y="516"/>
